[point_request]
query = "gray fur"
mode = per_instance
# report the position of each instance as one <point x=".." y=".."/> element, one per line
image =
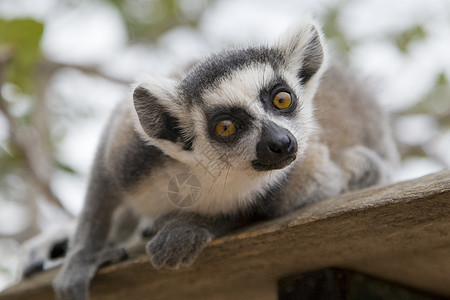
<point x="138" y="161"/>
<point x="186" y="235"/>
<point x="335" y="138"/>
<point x="314" y="58"/>
<point x="208" y="73"/>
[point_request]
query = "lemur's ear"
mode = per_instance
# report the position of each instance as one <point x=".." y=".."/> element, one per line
<point x="157" y="111"/>
<point x="303" y="49"/>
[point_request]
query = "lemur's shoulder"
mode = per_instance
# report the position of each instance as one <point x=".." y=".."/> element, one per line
<point x="125" y="155"/>
<point x="349" y="113"/>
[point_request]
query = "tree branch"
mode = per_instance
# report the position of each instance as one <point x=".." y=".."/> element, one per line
<point x="22" y="146"/>
<point x="91" y="70"/>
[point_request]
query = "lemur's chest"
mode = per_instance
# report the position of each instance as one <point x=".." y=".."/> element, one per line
<point x="177" y="187"/>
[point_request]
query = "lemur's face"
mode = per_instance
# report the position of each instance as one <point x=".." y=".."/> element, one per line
<point x="250" y="118"/>
<point x="247" y="109"/>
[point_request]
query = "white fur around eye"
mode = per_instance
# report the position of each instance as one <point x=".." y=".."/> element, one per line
<point x="241" y="88"/>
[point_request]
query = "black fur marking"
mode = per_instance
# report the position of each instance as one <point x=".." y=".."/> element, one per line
<point x="170" y="130"/>
<point x="209" y="72"/>
<point x="188" y="145"/>
<point x="240" y="117"/>
<point x="155" y="120"/>
<point x="59" y="249"/>
<point x="313" y="58"/>
<point x="138" y="161"/>
<point x="32" y="269"/>
<point x="116" y="255"/>
<point x="267" y="94"/>
<point x="266" y="206"/>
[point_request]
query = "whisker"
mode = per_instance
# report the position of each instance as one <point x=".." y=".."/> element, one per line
<point x="224" y="184"/>
<point x="225" y="164"/>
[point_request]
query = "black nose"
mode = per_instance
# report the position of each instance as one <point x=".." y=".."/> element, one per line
<point x="276" y="149"/>
<point x="281" y="144"/>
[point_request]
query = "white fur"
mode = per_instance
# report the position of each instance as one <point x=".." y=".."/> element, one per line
<point x="222" y="190"/>
<point x="228" y="181"/>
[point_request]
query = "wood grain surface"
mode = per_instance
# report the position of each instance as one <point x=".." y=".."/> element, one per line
<point x="398" y="232"/>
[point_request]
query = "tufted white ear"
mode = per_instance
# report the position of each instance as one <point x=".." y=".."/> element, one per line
<point x="157" y="110"/>
<point x="303" y="48"/>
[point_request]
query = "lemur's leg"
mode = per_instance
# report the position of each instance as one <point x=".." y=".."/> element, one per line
<point x="181" y="236"/>
<point x="363" y="167"/>
<point x="87" y="251"/>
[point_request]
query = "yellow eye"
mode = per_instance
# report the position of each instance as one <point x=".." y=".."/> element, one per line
<point x="225" y="128"/>
<point x="282" y="100"/>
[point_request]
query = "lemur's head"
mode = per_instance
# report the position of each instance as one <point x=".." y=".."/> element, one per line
<point x="247" y="109"/>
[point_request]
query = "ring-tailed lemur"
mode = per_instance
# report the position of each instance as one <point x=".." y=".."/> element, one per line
<point x="243" y="135"/>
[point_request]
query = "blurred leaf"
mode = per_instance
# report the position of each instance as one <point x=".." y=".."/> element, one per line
<point x="10" y="164"/>
<point x="23" y="36"/>
<point x="147" y="20"/>
<point x="404" y="40"/>
<point x="436" y="102"/>
<point x="442" y="80"/>
<point x="66" y="168"/>
<point x="333" y="31"/>
<point x="10" y="159"/>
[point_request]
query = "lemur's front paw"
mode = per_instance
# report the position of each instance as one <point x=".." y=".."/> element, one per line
<point x="74" y="278"/>
<point x="72" y="281"/>
<point x="364" y="167"/>
<point x="72" y="285"/>
<point x="177" y="244"/>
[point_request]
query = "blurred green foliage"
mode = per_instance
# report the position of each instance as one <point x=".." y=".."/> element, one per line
<point x="333" y="31"/>
<point x="22" y="37"/>
<point x="148" y="20"/>
<point x="20" y="57"/>
<point x="406" y="38"/>
<point x="435" y="103"/>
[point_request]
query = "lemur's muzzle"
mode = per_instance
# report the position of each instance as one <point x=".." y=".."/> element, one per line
<point x="276" y="149"/>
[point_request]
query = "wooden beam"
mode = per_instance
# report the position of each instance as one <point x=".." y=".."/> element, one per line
<point x="398" y="233"/>
<point x="338" y="284"/>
